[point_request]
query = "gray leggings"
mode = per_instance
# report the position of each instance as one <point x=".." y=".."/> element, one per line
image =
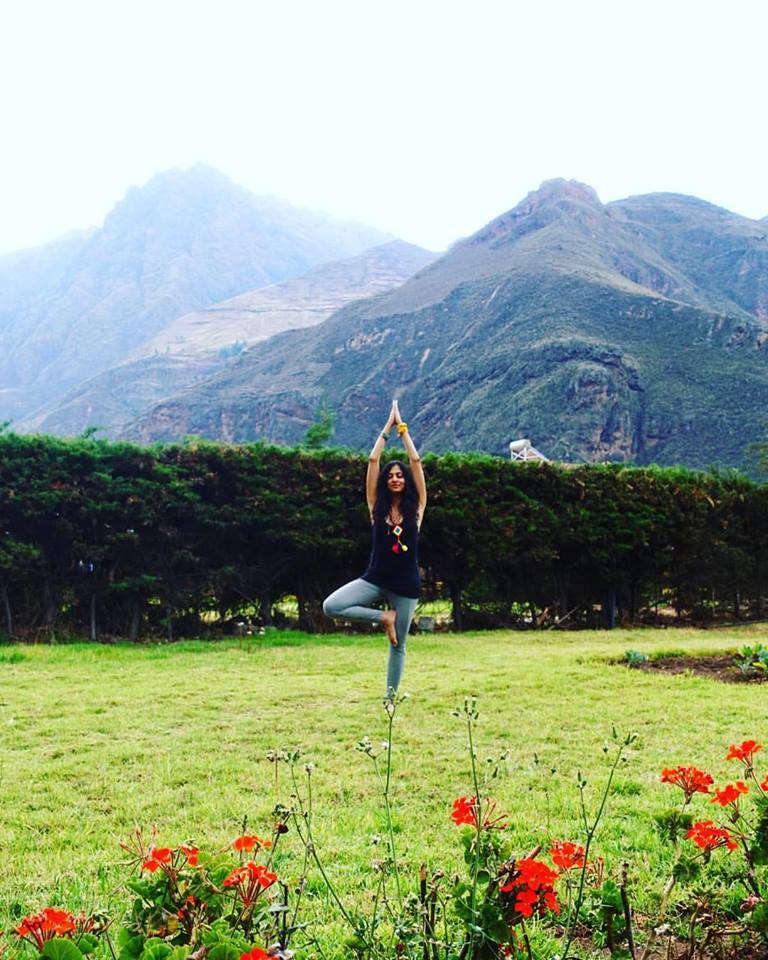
<point x="350" y="603"/>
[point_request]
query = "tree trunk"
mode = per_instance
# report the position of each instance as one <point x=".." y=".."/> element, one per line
<point x="94" y="635"/>
<point x="458" y="622"/>
<point x="632" y="601"/>
<point x="50" y="607"/>
<point x="266" y="608"/>
<point x="304" y="619"/>
<point x="562" y="595"/>
<point x="7" y="611"/>
<point x="133" y="629"/>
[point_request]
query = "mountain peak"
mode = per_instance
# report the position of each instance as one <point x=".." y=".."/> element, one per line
<point x="553" y="200"/>
<point x="561" y="189"/>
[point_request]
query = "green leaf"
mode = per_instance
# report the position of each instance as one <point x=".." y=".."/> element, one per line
<point x="141" y="887"/>
<point x="610" y="896"/>
<point x="87" y="942"/>
<point x="61" y="949"/>
<point x="759" y="847"/>
<point x="224" y="951"/>
<point x="130" y="945"/>
<point x="156" y="949"/>
<point x="686" y="869"/>
<point x="758" y="919"/>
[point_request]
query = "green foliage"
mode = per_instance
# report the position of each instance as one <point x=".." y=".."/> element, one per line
<point x="759" y="846"/>
<point x="752" y="658"/>
<point x="61" y="949"/>
<point x="108" y="538"/>
<point x="673" y="825"/>
<point x="233" y="349"/>
<point x="634" y="657"/>
<point x="321" y="431"/>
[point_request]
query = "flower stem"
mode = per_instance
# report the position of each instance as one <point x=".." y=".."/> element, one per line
<point x="478" y="828"/>
<point x="389" y="811"/>
<point x="591" y="830"/>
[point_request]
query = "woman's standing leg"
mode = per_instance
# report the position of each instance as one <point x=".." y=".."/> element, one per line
<point x="404" y="607"/>
<point x="352" y="602"/>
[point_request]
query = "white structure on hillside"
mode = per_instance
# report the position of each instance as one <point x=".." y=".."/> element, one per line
<point x="524" y="450"/>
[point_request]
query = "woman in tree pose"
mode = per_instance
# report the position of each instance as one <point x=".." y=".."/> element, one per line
<point x="397" y="497"/>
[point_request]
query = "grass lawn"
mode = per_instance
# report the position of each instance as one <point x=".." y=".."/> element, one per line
<point x="98" y="739"/>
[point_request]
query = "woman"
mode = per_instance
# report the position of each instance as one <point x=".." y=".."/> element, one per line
<point x="397" y="497"/>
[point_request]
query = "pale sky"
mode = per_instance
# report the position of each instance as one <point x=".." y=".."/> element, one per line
<point x="425" y="118"/>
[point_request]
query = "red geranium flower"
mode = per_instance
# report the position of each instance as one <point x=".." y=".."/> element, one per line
<point x="465" y="811"/>
<point x="706" y="835"/>
<point x="248" y="842"/>
<point x="256" y="954"/>
<point x="49" y="923"/>
<point x="249" y="881"/>
<point x="690" y="780"/>
<point x="191" y="853"/>
<point x="566" y="855"/>
<point x="531" y="882"/>
<point x="730" y="793"/>
<point x="745" y="752"/>
<point x="157" y="857"/>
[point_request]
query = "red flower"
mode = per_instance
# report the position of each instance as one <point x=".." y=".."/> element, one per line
<point x="690" y="780"/>
<point x="157" y="857"/>
<point x="465" y="811"/>
<point x="46" y="925"/>
<point x="248" y="842"/>
<point x="191" y="853"/>
<point x="764" y="785"/>
<point x="249" y="881"/>
<point x="745" y="752"/>
<point x="730" y="793"/>
<point x="256" y="954"/>
<point x="707" y="836"/>
<point x="566" y="855"/>
<point x="531" y="882"/>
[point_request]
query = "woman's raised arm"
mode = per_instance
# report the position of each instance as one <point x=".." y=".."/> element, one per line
<point x="374" y="458"/>
<point x="414" y="460"/>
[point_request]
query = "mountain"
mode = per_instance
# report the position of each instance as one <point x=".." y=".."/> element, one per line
<point x="634" y="330"/>
<point x="185" y="240"/>
<point x="197" y="344"/>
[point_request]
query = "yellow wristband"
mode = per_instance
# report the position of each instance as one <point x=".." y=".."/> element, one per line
<point x="401" y="429"/>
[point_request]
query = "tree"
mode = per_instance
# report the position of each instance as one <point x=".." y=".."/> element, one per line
<point x="321" y="431"/>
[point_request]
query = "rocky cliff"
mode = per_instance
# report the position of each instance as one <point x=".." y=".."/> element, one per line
<point x="632" y="330"/>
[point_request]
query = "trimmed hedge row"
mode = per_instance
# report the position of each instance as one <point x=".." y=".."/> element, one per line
<point x="115" y="539"/>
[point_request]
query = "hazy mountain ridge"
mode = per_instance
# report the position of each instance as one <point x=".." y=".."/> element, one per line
<point x="197" y="344"/>
<point x="185" y="240"/>
<point x="633" y="330"/>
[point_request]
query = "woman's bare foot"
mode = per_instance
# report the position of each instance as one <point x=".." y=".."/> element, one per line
<point x="388" y="619"/>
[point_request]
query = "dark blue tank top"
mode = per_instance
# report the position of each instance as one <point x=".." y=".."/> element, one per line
<point x="392" y="566"/>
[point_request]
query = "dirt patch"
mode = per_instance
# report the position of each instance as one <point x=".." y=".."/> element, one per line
<point x="719" y="667"/>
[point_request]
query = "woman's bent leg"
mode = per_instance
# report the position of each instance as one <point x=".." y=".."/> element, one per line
<point x="405" y="608"/>
<point x="350" y="602"/>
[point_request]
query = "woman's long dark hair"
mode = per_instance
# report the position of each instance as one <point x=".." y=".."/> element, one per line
<point x="409" y="499"/>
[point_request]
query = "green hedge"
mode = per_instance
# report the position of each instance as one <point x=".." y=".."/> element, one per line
<point x="114" y="539"/>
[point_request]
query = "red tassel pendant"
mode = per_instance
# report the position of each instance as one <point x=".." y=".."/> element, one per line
<point x="397" y="532"/>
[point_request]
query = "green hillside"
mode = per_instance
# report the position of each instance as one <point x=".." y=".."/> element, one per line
<point x="632" y="331"/>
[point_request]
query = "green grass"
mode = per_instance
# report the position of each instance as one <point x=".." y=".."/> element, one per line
<point x="98" y="739"/>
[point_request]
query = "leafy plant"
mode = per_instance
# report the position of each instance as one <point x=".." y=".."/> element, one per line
<point x="752" y="658"/>
<point x="634" y="658"/>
